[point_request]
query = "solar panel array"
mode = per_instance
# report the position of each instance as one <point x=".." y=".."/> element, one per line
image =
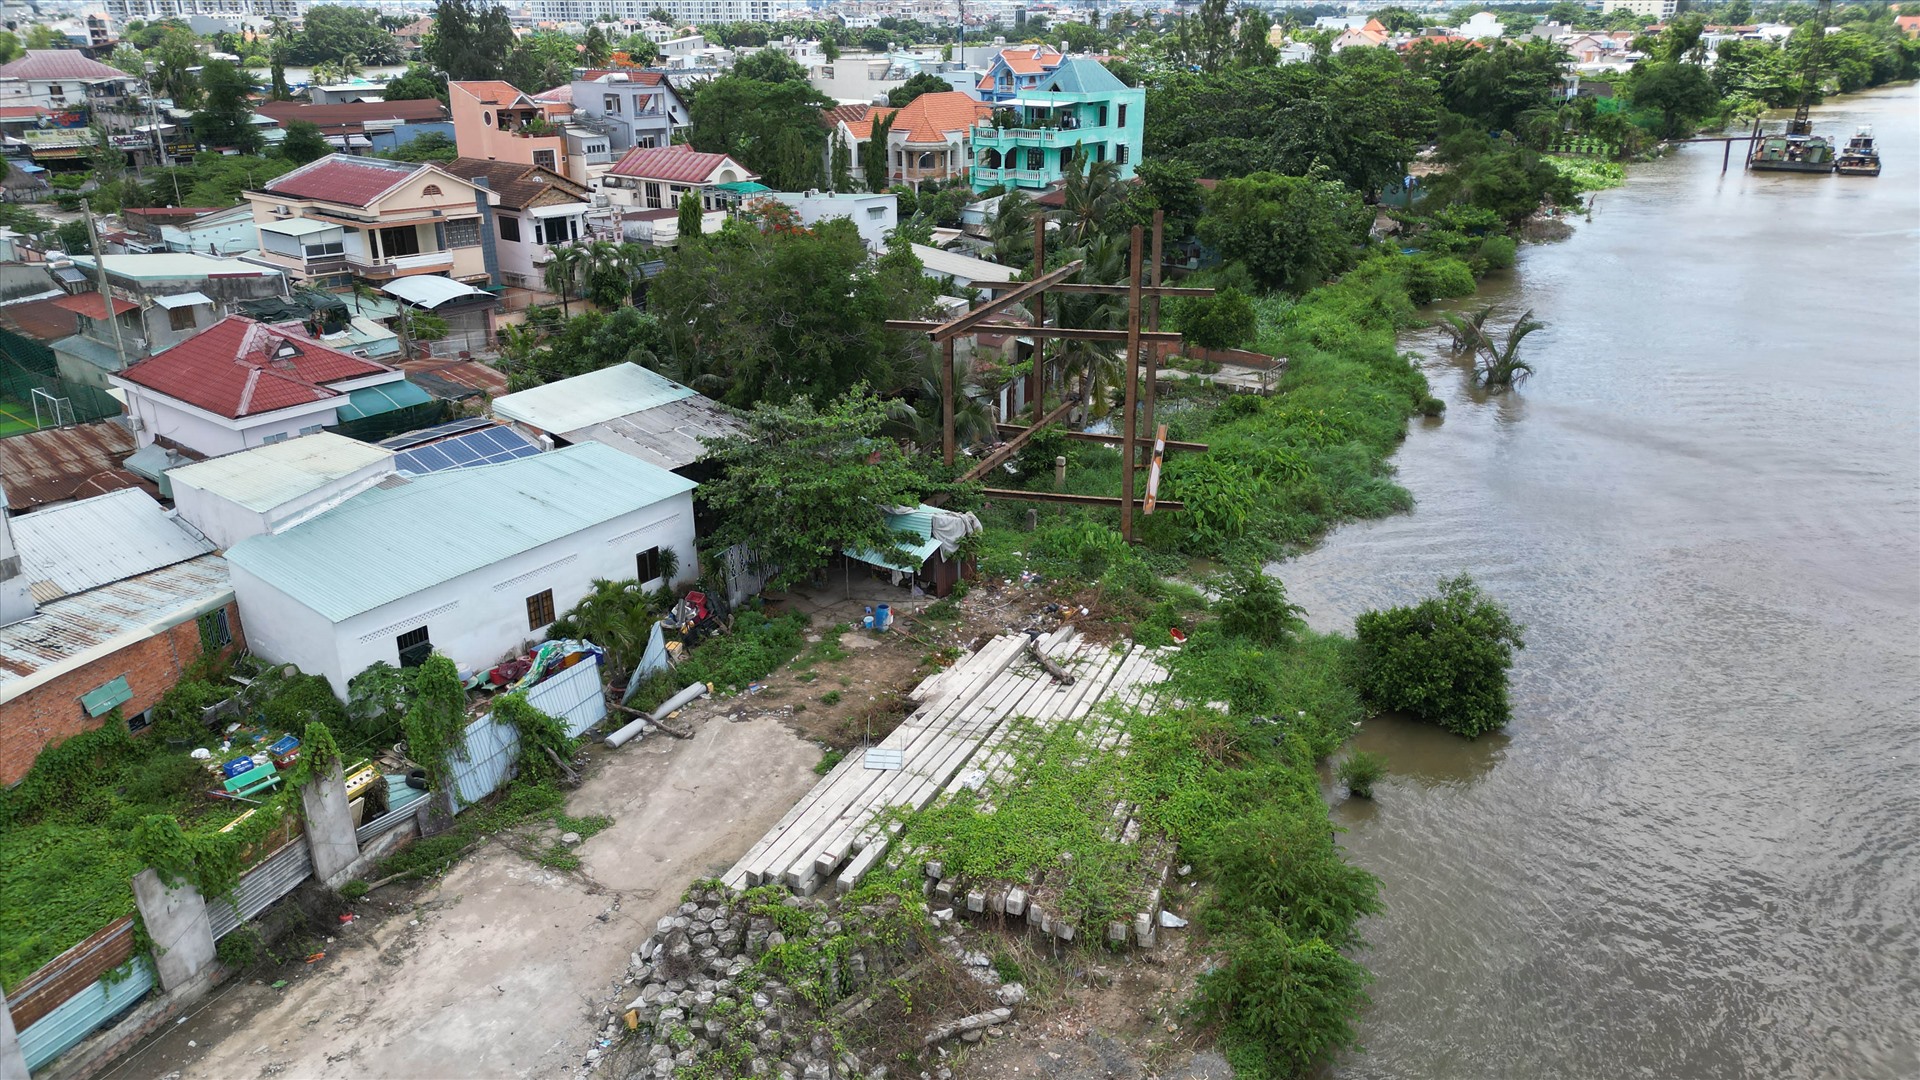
<point x="486" y="447"/>
<point x="433" y="434"/>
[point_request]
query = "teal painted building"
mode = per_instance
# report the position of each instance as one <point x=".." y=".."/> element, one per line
<point x="1078" y="104"/>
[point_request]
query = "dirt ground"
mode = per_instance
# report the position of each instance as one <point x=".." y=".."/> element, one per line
<point x="501" y="968"/>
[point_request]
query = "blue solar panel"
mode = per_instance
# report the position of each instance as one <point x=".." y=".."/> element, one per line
<point x="487" y="446"/>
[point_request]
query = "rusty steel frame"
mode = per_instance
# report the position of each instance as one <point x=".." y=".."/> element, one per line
<point x="1071" y="500"/>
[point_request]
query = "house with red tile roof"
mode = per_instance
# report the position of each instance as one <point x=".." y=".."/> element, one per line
<point x="363" y="126"/>
<point x="654" y="177"/>
<point x="1908" y="25"/>
<point x="60" y="79"/>
<point x="495" y="120"/>
<point x="1018" y="68"/>
<point x="342" y="217"/>
<point x="932" y="137"/>
<point x="242" y="383"/>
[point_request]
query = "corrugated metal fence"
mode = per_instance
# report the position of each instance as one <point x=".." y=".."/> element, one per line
<point x="84" y="1013"/>
<point x="277" y="875"/>
<point x="574" y="697"/>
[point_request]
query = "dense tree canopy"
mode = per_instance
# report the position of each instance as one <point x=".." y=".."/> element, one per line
<point x="1490" y="85"/>
<point x="780" y="313"/>
<point x="226" y="120"/>
<point x="921" y="83"/>
<point x="1292" y="232"/>
<point x="1360" y="113"/>
<point x="470" y="39"/>
<point x="773" y="128"/>
<point x="417" y="83"/>
<point x="334" y="33"/>
<point x="304" y="142"/>
<point x="1679" y="91"/>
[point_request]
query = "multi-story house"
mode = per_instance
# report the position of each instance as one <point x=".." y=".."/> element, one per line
<point x="495" y="121"/>
<point x="931" y="139"/>
<point x="58" y="79"/>
<point x="158" y="300"/>
<point x="654" y="177"/>
<point x="627" y="108"/>
<point x="343" y="217"/>
<point x="1079" y="108"/>
<point x="1015" y="70"/>
<point x="534" y="210"/>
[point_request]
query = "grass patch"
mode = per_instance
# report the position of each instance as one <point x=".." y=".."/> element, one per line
<point x="1589" y="174"/>
<point x="831" y="697"/>
<point x="828" y="760"/>
<point x="758" y="645"/>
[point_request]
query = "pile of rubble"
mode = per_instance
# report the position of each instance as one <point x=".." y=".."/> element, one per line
<point x="704" y="1000"/>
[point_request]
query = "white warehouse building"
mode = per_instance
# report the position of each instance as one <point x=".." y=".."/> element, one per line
<point x="473" y="563"/>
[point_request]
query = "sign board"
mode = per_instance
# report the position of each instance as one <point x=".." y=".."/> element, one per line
<point x="884" y="760"/>
<point x="1153" y="474"/>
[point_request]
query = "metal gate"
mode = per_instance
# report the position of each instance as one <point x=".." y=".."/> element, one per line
<point x="277" y="875"/>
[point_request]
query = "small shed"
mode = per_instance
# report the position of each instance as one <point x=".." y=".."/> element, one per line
<point x="930" y="543"/>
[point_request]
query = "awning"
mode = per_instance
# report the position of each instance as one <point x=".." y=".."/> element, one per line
<point x="299" y="227"/>
<point x="103" y="698"/>
<point x="429" y="291"/>
<point x="385" y="398"/>
<point x="742" y="187"/>
<point x="185" y="299"/>
<point x="344" y="141"/>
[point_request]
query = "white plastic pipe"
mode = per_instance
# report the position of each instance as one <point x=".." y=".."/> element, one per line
<point x="678" y="701"/>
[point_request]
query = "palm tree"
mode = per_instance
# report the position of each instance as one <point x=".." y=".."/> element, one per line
<point x="1096" y="365"/>
<point x="1469" y="332"/>
<point x="1091" y="193"/>
<point x="563" y="272"/>
<point x="1012" y="228"/>
<point x="1502" y="368"/>
<point x="972" y="416"/>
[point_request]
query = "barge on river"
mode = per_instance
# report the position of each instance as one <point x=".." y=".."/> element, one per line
<point x="1792" y="152"/>
<point x="1859" y="157"/>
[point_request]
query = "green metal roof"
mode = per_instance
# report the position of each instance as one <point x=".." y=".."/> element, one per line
<point x="397" y="539"/>
<point x="1083" y="77"/>
<point x="385" y="398"/>
<point x="916" y="539"/>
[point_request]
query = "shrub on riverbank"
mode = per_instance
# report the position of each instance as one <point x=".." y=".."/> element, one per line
<point x="1444" y="659"/>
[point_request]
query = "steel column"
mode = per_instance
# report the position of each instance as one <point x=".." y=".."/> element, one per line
<point x="1132" y="365"/>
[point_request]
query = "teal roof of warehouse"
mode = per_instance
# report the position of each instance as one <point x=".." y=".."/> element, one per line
<point x="410" y="534"/>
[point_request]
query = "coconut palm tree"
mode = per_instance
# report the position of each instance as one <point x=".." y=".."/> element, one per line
<point x="918" y="420"/>
<point x="1091" y="193"/>
<point x="1467" y="332"/>
<point x="1096" y="365"/>
<point x="1501" y="368"/>
<point x="563" y="272"/>
<point x="1012" y="228"/>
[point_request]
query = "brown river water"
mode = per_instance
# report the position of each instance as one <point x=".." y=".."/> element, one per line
<point x="1696" y="850"/>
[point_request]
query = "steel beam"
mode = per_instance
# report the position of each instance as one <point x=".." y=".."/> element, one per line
<point x="1088" y="436"/>
<point x="1121" y="290"/>
<point x="990" y="308"/>
<point x="1117" y="336"/>
<point x="999" y="455"/>
<point x="1071" y="500"/>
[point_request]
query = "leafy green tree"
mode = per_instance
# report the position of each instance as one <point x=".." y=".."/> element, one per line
<point x="1680" y="92"/>
<point x="770" y="65"/>
<point x="777" y="313"/>
<point x="470" y="39"/>
<point x="1444" y="659"/>
<point x="10" y="47"/>
<point x="640" y="49"/>
<point x="1292" y="232"/>
<point x="42" y="36"/>
<point x="773" y="128"/>
<point x="226" y="119"/>
<point x="1170" y="186"/>
<point x="803" y="483"/>
<point x="1490" y="85"/>
<point x="923" y="82"/>
<point x="174" y="57"/>
<point x="690" y="217"/>
<point x="331" y="32"/>
<point x="1202" y="41"/>
<point x="304" y="142"/>
<point x="597" y="49"/>
<point x="541" y="60"/>
<point x="277" y="88"/>
<point x="427" y="146"/>
<point x="417" y="83"/>
<point x="73" y="238"/>
<point x="873" y="155"/>
<point x="124" y="56"/>
<point x="1225" y="320"/>
<point x="1498" y="175"/>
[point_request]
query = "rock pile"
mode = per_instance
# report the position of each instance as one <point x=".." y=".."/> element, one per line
<point x="705" y="1000"/>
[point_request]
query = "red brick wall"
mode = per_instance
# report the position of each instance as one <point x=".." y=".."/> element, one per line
<point x="70" y="972"/>
<point x="52" y="713"/>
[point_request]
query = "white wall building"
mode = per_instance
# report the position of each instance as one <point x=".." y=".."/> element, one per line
<point x="682" y="12"/>
<point x="874" y="215"/>
<point x="1659" y="9"/>
<point x="274" y="487"/>
<point x="472" y="563"/>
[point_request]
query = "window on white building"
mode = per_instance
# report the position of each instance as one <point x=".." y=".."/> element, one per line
<point x="510" y="229"/>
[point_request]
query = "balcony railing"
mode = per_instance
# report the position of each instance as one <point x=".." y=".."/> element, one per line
<point x="396" y="265"/>
<point x="992" y="136"/>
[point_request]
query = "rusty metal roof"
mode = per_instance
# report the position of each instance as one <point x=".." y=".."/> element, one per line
<point x="64" y="463"/>
<point x="74" y="630"/>
<point x="83" y="545"/>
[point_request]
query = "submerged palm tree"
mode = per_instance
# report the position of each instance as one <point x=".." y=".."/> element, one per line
<point x="1495" y="366"/>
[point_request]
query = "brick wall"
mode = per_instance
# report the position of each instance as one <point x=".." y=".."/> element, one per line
<point x="52" y="713"/>
<point x="70" y="972"/>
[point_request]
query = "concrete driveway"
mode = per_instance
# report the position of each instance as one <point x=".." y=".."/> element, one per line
<point x="503" y="969"/>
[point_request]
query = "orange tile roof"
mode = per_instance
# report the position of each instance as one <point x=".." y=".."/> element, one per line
<point x="929" y="118"/>
<point x="491" y="91"/>
<point x="1030" y="59"/>
<point x="862" y="129"/>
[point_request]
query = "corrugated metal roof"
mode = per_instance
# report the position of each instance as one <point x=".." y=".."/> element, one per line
<point x="70" y="626"/>
<point x="593" y="398"/>
<point x="429" y="291"/>
<point x="916" y="539"/>
<point x="84" y="545"/>
<point x="668" y="436"/>
<point x="166" y="265"/>
<point x="273" y="475"/>
<point x="63" y="463"/>
<point x="963" y="266"/>
<point x="393" y="541"/>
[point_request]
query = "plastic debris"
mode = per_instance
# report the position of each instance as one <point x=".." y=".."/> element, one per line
<point x="279" y="983"/>
<point x="1171" y="921"/>
<point x="316" y="958"/>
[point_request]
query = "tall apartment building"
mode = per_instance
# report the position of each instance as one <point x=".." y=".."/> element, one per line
<point x="682" y="12"/>
<point x="120" y="11"/>
<point x="1658" y="9"/>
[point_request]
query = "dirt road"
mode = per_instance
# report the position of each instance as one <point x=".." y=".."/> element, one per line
<point x="503" y="968"/>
